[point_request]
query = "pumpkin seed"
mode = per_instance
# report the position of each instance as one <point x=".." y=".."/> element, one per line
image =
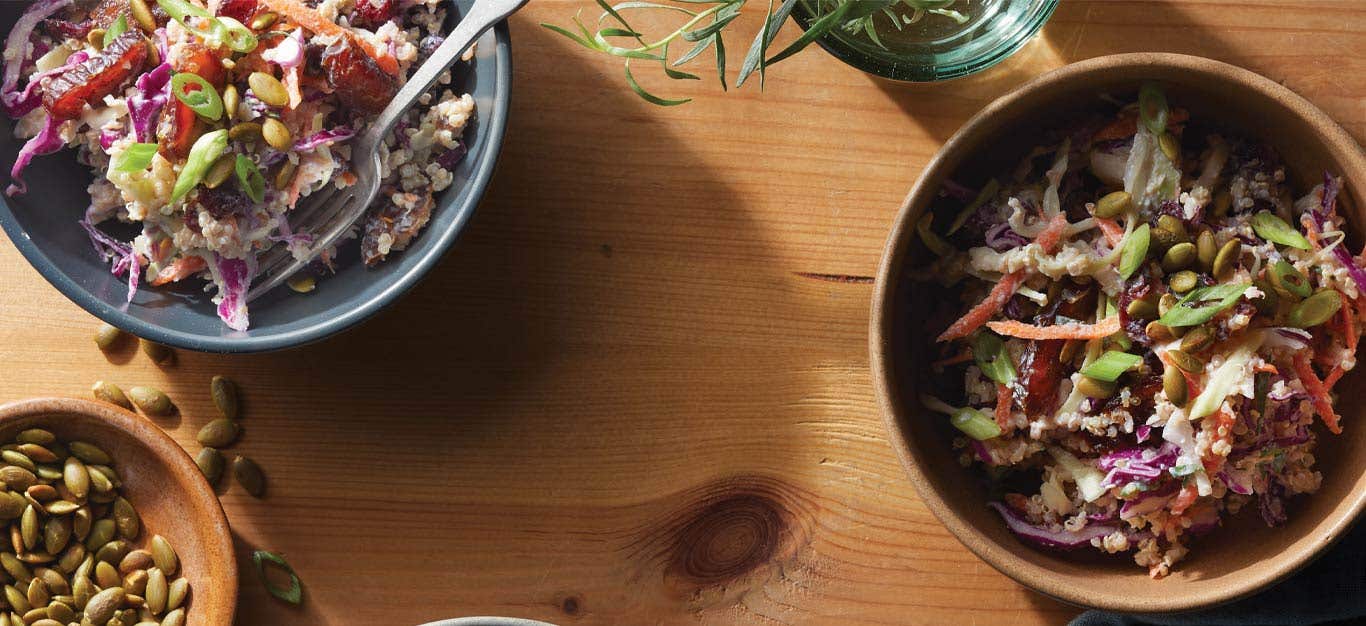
<point x="1197" y="339"/>
<point x="176" y="593"/>
<point x="1205" y="250"/>
<point x="249" y="475"/>
<point x="246" y="132"/>
<point x="1069" y="351"/>
<point x="102" y="605"/>
<point x="100" y="483"/>
<point x="38" y="453"/>
<point x="76" y="477"/>
<point x="81" y="520"/>
<point x="15" y="568"/>
<point x="56" y="533"/>
<point x="1186" y="361"/>
<point x="1223" y="201"/>
<point x="89" y="453"/>
<point x="1142" y="309"/>
<point x="81" y="590"/>
<point x="221" y="171"/>
<point x="1165" y="303"/>
<point x="153" y="54"/>
<point x="1157" y="331"/>
<point x="150" y="401"/>
<point x="1183" y="281"/>
<point x="101" y="532"/>
<point x="17" y="478"/>
<point x="42" y="621"/>
<point x="302" y="283"/>
<point x="275" y="134"/>
<point x="219" y="433"/>
<point x="56" y="583"/>
<point x="126" y="519"/>
<point x="174" y="618"/>
<point x="15" y="457"/>
<point x="210" y="462"/>
<point x="231" y="100"/>
<point x="1315" y="309"/>
<point x="109" y="392"/>
<point x="105" y="575"/>
<point x="114" y="551"/>
<point x="61" y="507"/>
<point x="137" y="559"/>
<point x="1174" y="385"/>
<point x="142" y="14"/>
<point x="1173" y="225"/>
<point x="107" y="337"/>
<point x="159" y="354"/>
<point x="163" y="554"/>
<point x="37" y="593"/>
<point x="135" y="582"/>
<point x="263" y="20"/>
<point x="1093" y="388"/>
<point x="268" y="88"/>
<point x="1226" y="258"/>
<point x="71" y="558"/>
<point x="17" y="599"/>
<point x="1113" y="204"/>
<point x="285" y="175"/>
<point x="1178" y="257"/>
<point x="28" y="527"/>
<point x="96" y="38"/>
<point x="1160" y="240"/>
<point x="49" y="472"/>
<point x="61" y="612"/>
<point x="157" y="590"/>
<point x="223" y="392"/>
<point x="1170" y="148"/>
<point x="36" y="435"/>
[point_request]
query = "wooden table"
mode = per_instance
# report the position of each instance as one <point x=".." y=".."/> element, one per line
<point x="637" y="391"/>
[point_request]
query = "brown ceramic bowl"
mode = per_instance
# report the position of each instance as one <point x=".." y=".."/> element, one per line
<point x="162" y="483"/>
<point x="1244" y="555"/>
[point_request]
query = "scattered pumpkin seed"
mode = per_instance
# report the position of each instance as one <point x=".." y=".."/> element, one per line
<point x="1170" y="148"/>
<point x="1174" y="385"/>
<point x="1165" y="303"/>
<point x="1142" y="309"/>
<point x="1315" y="309"/>
<point x="96" y="38"/>
<point x="1223" y="201"/>
<point x="1205" y="250"/>
<point x="1173" y="225"/>
<point x="302" y="283"/>
<point x="224" y="394"/>
<point x="285" y="175"/>
<point x="89" y="453"/>
<point x="249" y="475"/>
<point x="102" y="605"/>
<point x="176" y="593"/>
<point x="1178" y="257"/>
<point x="1226" y="258"/>
<point x="268" y="88"/>
<point x="1113" y="204"/>
<point x="1184" y="280"/>
<point x="107" y="337"/>
<point x="263" y="20"/>
<point x="231" y="100"/>
<point x="163" y="554"/>
<point x="219" y="433"/>
<point x="142" y="14"/>
<point x="153" y="53"/>
<point x="245" y="132"/>
<point x="1093" y="388"/>
<point x="159" y="353"/>
<point x="1197" y="339"/>
<point x="210" y="463"/>
<point x="150" y="401"/>
<point x="221" y="171"/>
<point x="15" y="457"/>
<point x="275" y="134"/>
<point x="1186" y="361"/>
<point x="1157" y="331"/>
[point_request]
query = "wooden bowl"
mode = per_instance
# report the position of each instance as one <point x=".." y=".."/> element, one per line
<point x="1244" y="555"/>
<point x="163" y="484"/>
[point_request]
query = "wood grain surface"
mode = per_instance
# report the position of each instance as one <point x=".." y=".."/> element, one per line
<point x="637" y="391"/>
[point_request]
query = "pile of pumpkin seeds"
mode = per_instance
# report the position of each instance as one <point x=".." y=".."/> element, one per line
<point x="71" y="559"/>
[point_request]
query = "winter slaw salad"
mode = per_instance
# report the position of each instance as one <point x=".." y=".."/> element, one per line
<point x="206" y="122"/>
<point x="1152" y="323"/>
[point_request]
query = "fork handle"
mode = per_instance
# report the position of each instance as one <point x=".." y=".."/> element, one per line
<point x="483" y="14"/>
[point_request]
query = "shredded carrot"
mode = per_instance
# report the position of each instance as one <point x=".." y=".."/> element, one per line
<point x="1012" y="328"/>
<point x="961" y="357"/>
<point x="1311" y="231"/>
<point x="1318" y="393"/>
<point x="995" y="301"/>
<point x="1126" y="125"/>
<point x="291" y="82"/>
<point x="1051" y="235"/>
<point x="1002" y="405"/>
<point x="1333" y="376"/>
<point x="1193" y="386"/>
<point x="1267" y="367"/>
<point x="182" y="268"/>
<point x="1349" y="327"/>
<point x="1183" y="500"/>
<point x="309" y="18"/>
<point x="1114" y="233"/>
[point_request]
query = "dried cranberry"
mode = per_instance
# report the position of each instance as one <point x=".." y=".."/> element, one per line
<point x="359" y="82"/>
<point x="223" y="201"/>
<point x="1036" y="390"/>
<point x="372" y="13"/>
<point x="66" y="95"/>
<point x="240" y="10"/>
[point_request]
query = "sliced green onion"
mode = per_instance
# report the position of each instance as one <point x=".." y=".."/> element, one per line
<point x="205" y="101"/>
<point x="1203" y="303"/>
<point x="119" y="27"/>
<point x="1090" y="480"/>
<point x="294" y="593"/>
<point x="236" y="35"/>
<point x="182" y="11"/>
<point x="1275" y="230"/>
<point x="136" y="157"/>
<point x="1183" y="470"/>
<point x="203" y="153"/>
<point x="992" y="357"/>
<point x="1111" y="365"/>
<point x="250" y="178"/>
<point x="988" y="192"/>
<point x="1134" y="251"/>
<point x="1152" y="108"/>
<point x="934" y="242"/>
<point x="975" y="424"/>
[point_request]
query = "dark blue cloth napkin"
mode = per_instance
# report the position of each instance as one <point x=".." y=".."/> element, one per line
<point x="1331" y="589"/>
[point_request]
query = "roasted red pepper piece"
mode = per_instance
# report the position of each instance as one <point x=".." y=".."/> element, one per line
<point x="359" y="82"/>
<point x="199" y="59"/>
<point x="177" y="129"/>
<point x="66" y="95"/>
<point x="372" y="13"/>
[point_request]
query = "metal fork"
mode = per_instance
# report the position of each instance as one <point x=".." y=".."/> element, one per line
<point x="329" y="213"/>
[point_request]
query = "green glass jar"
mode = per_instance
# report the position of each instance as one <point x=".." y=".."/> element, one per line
<point x="933" y="46"/>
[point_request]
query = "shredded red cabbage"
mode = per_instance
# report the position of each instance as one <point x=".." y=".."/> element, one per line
<point x="1143" y="432"/>
<point x="17" y="48"/>
<point x="451" y="158"/>
<point x="1002" y="237"/>
<point x="1272" y="504"/>
<point x="983" y="454"/>
<point x="324" y="138"/>
<point x="122" y="254"/>
<point x="1137" y="464"/>
<point x="235" y="278"/>
<point x="1328" y="207"/>
<point x="1049" y="538"/>
<point x="154" y="91"/>
<point x="1149" y="501"/>
<point x="47" y="141"/>
<point x="957" y="191"/>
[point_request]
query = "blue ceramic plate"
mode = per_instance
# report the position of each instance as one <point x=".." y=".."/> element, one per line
<point x="43" y="225"/>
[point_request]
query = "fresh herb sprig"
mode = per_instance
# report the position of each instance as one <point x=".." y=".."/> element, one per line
<point x="704" y="23"/>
